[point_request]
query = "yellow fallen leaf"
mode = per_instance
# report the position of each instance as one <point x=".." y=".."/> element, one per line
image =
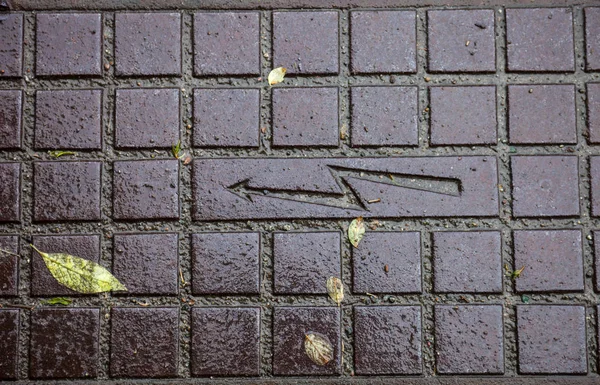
<point x="335" y="288"/>
<point x="356" y="231"/>
<point x="318" y="349"/>
<point x="276" y="75"/>
<point x="79" y="274"/>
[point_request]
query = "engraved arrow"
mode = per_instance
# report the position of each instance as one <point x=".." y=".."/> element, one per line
<point x="348" y="198"/>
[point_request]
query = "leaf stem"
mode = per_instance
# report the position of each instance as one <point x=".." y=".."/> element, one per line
<point x="8" y="252"/>
<point x="36" y="249"/>
<point x="10" y="305"/>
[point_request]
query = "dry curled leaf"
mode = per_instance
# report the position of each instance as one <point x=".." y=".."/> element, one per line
<point x="79" y="274"/>
<point x="356" y="230"/>
<point x="343" y="132"/>
<point x="318" y="349"/>
<point x="276" y="76"/>
<point x="335" y="288"/>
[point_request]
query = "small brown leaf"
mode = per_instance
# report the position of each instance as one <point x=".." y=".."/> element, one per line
<point x="335" y="288"/>
<point x="318" y="349"/>
<point x="343" y="132"/>
<point x="276" y="75"/>
<point x="356" y="231"/>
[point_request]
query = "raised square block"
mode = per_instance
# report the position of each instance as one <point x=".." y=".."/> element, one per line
<point x="553" y="260"/>
<point x="592" y="38"/>
<point x="593" y="112"/>
<point x="9" y="267"/>
<point x="10" y="192"/>
<point x="597" y="259"/>
<point x="66" y="191"/>
<point x="384" y="116"/>
<point x="306" y="42"/>
<point x="383" y="42"/>
<point x="225" y="263"/>
<point x="469" y="339"/>
<point x="147" y="44"/>
<point x="454" y="121"/>
<point x="595" y="184"/>
<point x="387" y="340"/>
<point x="11" y="102"/>
<point x="461" y="40"/>
<point x="147" y="118"/>
<point x="225" y="341"/>
<point x="290" y="327"/>
<point x="454" y="255"/>
<point x="542" y="114"/>
<point x="226" y="117"/>
<point x="551" y="339"/>
<point x="68" y="44"/>
<point x="9" y="344"/>
<point x="304" y="261"/>
<point x="388" y="262"/>
<point x="147" y="264"/>
<point x="226" y="43"/>
<point x="540" y="40"/>
<point x="545" y="186"/>
<point x="144" y="342"/>
<point x="305" y="117"/>
<point x="68" y="120"/>
<point x="11" y="45"/>
<point x="146" y="189"/>
<point x="64" y="343"/>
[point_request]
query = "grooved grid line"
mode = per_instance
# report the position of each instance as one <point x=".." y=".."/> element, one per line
<point x="170" y="343"/>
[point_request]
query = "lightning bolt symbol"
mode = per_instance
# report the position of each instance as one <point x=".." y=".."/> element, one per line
<point x="348" y="198"/>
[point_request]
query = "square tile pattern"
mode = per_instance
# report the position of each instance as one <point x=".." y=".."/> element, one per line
<point x="425" y="295"/>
